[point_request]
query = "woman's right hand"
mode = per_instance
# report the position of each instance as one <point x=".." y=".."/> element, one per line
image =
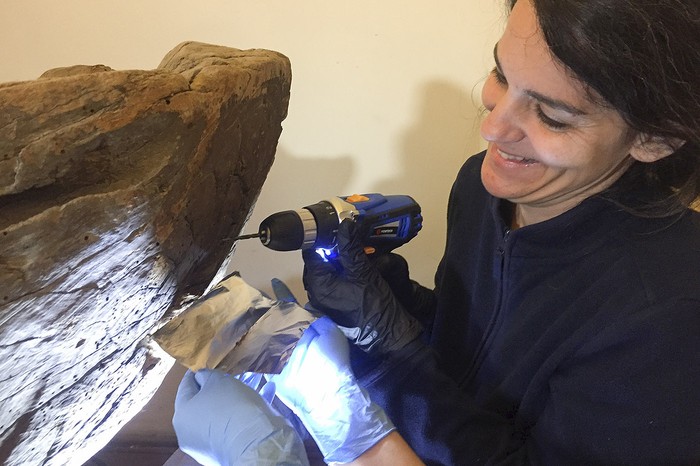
<point x="352" y="292"/>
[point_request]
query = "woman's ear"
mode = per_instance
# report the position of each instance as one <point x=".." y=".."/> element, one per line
<point x="652" y="148"/>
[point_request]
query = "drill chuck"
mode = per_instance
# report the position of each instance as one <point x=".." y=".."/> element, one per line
<point x="312" y="226"/>
<point x="288" y="231"/>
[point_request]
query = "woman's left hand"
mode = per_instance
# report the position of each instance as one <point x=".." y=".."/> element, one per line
<point x="318" y="385"/>
<point x="220" y="421"/>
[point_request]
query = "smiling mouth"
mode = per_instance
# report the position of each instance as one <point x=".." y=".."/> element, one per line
<point x="515" y="158"/>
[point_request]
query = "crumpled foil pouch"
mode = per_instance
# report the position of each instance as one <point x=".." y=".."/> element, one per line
<point x="236" y="329"/>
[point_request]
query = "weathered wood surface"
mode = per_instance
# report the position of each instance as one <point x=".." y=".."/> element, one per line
<point x="120" y="195"/>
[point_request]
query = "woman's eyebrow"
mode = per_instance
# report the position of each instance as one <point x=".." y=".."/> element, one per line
<point x="548" y="101"/>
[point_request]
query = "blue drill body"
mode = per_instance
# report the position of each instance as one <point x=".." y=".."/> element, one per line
<point x="385" y="223"/>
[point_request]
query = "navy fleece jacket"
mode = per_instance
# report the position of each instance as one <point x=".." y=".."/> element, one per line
<point x="571" y="341"/>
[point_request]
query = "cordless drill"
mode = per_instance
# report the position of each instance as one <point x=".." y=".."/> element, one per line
<point x="384" y="223"/>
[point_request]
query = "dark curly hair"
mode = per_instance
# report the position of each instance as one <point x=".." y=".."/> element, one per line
<point x="643" y="58"/>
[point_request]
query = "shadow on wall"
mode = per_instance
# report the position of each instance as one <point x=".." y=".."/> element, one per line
<point x="292" y="183"/>
<point x="306" y="177"/>
<point x="444" y="134"/>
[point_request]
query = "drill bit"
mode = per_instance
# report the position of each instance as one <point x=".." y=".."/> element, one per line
<point x="252" y="235"/>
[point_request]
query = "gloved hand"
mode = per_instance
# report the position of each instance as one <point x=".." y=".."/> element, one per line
<point x="353" y="294"/>
<point x="220" y="421"/>
<point x="418" y="300"/>
<point x="318" y="385"/>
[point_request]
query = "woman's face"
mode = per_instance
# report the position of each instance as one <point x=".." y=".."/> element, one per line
<point x="549" y="146"/>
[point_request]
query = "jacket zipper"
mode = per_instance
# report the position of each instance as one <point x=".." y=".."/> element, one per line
<point x="491" y="328"/>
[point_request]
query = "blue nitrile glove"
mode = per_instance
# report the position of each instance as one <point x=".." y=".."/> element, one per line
<point x="351" y="291"/>
<point x="319" y="387"/>
<point x="220" y="421"/>
<point x="282" y="291"/>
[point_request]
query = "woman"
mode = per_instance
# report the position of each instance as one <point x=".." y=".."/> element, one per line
<point x="564" y="327"/>
<point x="567" y="319"/>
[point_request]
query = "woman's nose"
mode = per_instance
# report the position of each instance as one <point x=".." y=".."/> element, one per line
<point x="501" y="124"/>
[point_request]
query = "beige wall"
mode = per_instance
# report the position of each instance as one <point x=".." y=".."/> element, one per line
<point x="385" y="94"/>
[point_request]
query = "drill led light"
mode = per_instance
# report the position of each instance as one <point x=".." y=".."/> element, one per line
<point x="327" y="254"/>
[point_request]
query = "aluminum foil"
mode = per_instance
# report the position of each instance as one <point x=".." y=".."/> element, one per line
<point x="235" y="328"/>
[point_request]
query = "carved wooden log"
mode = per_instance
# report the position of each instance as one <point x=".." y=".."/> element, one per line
<point x="120" y="195"/>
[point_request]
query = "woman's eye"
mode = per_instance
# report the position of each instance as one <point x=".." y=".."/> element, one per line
<point x="552" y="123"/>
<point x="500" y="79"/>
